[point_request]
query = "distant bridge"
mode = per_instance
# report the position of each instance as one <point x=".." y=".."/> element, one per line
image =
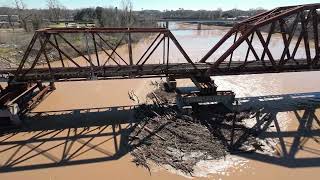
<point x="199" y="22"/>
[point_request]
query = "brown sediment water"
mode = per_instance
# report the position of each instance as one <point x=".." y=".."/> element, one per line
<point x="91" y="161"/>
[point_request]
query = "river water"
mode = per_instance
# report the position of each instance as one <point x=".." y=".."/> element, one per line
<point x="101" y="94"/>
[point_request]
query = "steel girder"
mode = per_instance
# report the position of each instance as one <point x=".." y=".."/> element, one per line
<point x="100" y="50"/>
<point x="300" y="21"/>
<point x="298" y="27"/>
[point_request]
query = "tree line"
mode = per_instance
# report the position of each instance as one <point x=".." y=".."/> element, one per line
<point x="124" y="16"/>
<point x="202" y="14"/>
<point x="32" y="19"/>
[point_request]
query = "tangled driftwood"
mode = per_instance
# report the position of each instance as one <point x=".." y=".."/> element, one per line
<point x="166" y="136"/>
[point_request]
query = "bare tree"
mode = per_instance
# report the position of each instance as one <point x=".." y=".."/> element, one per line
<point x="127" y="7"/>
<point x="10" y="21"/>
<point x="219" y="13"/>
<point x="23" y="15"/>
<point x="55" y="8"/>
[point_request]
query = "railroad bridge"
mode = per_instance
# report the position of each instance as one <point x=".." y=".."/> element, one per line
<point x="99" y="57"/>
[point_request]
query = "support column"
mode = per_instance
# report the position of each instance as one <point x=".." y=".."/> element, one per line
<point x="170" y="85"/>
<point x="167" y="24"/>
<point x="52" y="86"/>
<point x="199" y="26"/>
<point x="130" y="48"/>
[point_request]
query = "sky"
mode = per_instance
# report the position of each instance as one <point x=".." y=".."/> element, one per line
<point x="168" y="4"/>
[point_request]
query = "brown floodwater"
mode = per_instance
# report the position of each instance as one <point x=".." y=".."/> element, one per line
<point x="95" y="157"/>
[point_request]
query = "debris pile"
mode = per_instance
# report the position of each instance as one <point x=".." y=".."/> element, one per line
<point x="169" y="139"/>
<point x="165" y="136"/>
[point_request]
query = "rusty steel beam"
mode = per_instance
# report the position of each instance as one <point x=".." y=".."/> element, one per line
<point x="315" y="24"/>
<point x="250" y="47"/>
<point x="46" y="56"/>
<point x="39" y="69"/>
<point x="95" y="48"/>
<point x="65" y="54"/>
<point x="109" y="55"/>
<point x="60" y="55"/>
<point x="152" y="51"/>
<point x="178" y="70"/>
<point x="148" y="49"/>
<point x="217" y="46"/>
<point x="243" y="37"/>
<point x="287" y="42"/>
<point x="259" y="23"/>
<point x="103" y="45"/>
<point x="304" y="23"/>
<point x="281" y="15"/>
<point x="74" y="48"/>
<point x="43" y="45"/>
<point x="231" y="56"/>
<point x="266" y="44"/>
<point x="285" y="19"/>
<point x="113" y="49"/>
<point x="168" y="55"/>
<point x="130" y="48"/>
<point x="26" y="54"/>
<point x="175" y="41"/>
<point x="31" y="104"/>
<point x="102" y="30"/>
<point x="266" y="48"/>
<point x="258" y="16"/>
<point x="297" y="45"/>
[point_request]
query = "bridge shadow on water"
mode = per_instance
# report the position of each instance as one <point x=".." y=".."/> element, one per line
<point x="83" y="136"/>
<point x="299" y="145"/>
<point x="68" y="137"/>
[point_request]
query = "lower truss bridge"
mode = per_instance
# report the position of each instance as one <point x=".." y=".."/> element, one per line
<point x="110" y="53"/>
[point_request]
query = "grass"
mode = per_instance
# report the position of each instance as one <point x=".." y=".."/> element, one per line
<point x="60" y="25"/>
<point x="4" y="51"/>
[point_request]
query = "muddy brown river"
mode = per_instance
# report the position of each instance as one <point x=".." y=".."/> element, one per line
<point x="91" y="153"/>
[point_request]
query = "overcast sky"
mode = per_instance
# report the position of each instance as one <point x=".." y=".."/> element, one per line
<point x="169" y="4"/>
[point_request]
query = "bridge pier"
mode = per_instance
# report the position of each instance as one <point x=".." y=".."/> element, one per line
<point x="52" y="86"/>
<point x="204" y="93"/>
<point x="199" y="26"/>
<point x="167" y="24"/>
<point x="170" y="85"/>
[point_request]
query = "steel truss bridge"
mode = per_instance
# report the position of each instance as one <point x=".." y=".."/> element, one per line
<point x="49" y="56"/>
